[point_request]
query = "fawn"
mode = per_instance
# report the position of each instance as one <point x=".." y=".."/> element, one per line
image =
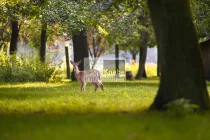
<point x="92" y="76"/>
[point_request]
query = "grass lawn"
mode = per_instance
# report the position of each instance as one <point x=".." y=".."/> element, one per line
<point x="41" y="111"/>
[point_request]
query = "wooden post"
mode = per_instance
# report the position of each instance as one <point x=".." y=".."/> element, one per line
<point x="67" y="62"/>
<point x="117" y="59"/>
<point x="158" y="63"/>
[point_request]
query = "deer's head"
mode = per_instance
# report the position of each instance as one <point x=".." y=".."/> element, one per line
<point x="75" y="64"/>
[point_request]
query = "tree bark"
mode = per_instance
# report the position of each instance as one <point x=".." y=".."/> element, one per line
<point x="134" y="56"/>
<point x="142" y="57"/>
<point x="143" y="54"/>
<point x="14" y="37"/>
<point x="205" y="51"/>
<point x="182" y="73"/>
<point x="158" y="63"/>
<point x="43" y="42"/>
<point x="68" y="74"/>
<point x="80" y="46"/>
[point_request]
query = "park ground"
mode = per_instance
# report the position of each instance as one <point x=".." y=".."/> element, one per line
<point x="58" y="111"/>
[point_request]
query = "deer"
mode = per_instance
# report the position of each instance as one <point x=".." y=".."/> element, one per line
<point x="92" y="76"/>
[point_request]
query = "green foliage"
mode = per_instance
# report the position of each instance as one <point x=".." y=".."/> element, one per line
<point x="14" y="69"/>
<point x="181" y="107"/>
<point x="4" y="35"/>
<point x="75" y="16"/>
<point x="31" y="30"/>
<point x="15" y="10"/>
<point x="201" y="15"/>
<point x="126" y="23"/>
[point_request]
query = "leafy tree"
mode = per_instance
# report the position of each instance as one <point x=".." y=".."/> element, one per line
<point x="131" y="28"/>
<point x="75" y="22"/>
<point x="182" y="73"/>
<point x="14" y="12"/>
<point x="143" y="19"/>
<point x="201" y="16"/>
<point x="47" y="12"/>
<point x="4" y="28"/>
<point x="96" y="44"/>
<point x="4" y="35"/>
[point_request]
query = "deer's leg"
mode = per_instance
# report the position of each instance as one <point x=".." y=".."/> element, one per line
<point x="83" y="86"/>
<point x="101" y="86"/>
<point x="95" y="84"/>
<point x="96" y="87"/>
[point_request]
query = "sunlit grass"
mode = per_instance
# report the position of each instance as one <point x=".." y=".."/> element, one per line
<point x="66" y="98"/>
<point x="31" y="85"/>
<point x="57" y="111"/>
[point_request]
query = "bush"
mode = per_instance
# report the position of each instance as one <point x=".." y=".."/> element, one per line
<point x="181" y="107"/>
<point x="25" y="69"/>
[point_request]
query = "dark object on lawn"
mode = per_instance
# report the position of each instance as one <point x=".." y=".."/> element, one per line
<point x="129" y="75"/>
<point x="205" y="51"/>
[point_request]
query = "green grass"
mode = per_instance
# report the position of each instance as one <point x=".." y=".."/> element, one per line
<point x="67" y="98"/>
<point x="57" y="111"/>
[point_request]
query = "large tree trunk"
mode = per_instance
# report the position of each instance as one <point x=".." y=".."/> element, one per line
<point x="142" y="57"/>
<point x="182" y="73"/>
<point x="80" y="46"/>
<point x="43" y="42"/>
<point x="14" y="37"/>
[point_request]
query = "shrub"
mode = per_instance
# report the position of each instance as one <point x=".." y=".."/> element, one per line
<point x="25" y="69"/>
<point x="181" y="107"/>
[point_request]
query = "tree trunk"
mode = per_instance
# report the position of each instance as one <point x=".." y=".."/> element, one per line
<point x="205" y="51"/>
<point x="68" y="74"/>
<point x="80" y="46"/>
<point x="142" y="57"/>
<point x="14" y="37"/>
<point x="134" y="56"/>
<point x="182" y="73"/>
<point x="158" y="62"/>
<point x="117" y="59"/>
<point x="43" y="42"/>
<point x="143" y="54"/>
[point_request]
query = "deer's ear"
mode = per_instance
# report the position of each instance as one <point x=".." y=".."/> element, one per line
<point x="71" y="62"/>
<point x="79" y="62"/>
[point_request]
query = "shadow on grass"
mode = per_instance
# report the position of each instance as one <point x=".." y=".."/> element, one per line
<point x="108" y="126"/>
